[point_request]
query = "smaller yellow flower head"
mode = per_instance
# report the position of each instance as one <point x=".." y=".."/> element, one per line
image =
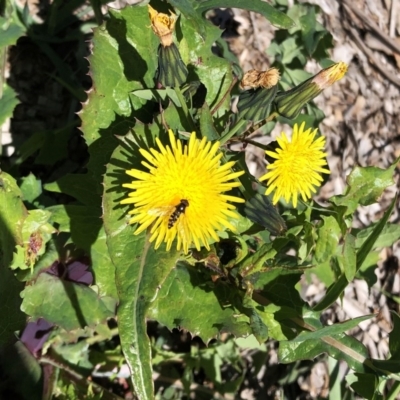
<point x="163" y="25"/>
<point x="182" y="194"/>
<point x="297" y="167"/>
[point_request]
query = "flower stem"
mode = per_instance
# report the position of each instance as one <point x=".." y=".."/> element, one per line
<point x="248" y="131"/>
<point x="253" y="128"/>
<point x="241" y="124"/>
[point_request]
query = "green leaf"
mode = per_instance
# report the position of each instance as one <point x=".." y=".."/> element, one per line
<point x="290" y="50"/>
<point x="364" y="384"/>
<point x="349" y="259"/>
<point x="124" y="58"/>
<point x="66" y="304"/>
<point x="340" y="347"/>
<point x="277" y="285"/>
<point x="336" y="289"/>
<point x="189" y="300"/>
<point x="11" y="317"/>
<point x="140" y="270"/>
<point x="394" y="338"/>
<point x="82" y="222"/>
<point x="331" y="330"/>
<point x="368" y="245"/>
<point x="82" y="187"/>
<point x="328" y="239"/>
<point x="36" y="232"/>
<point x="7" y="102"/>
<point x="277" y="18"/>
<point x="31" y="188"/>
<point x="207" y="128"/>
<point x="102" y="267"/>
<point x="11" y="30"/>
<point x="389" y="235"/>
<point x="157" y="94"/>
<point x="365" y="185"/>
<point x="12" y="216"/>
<point x="187" y="8"/>
<point x="218" y="83"/>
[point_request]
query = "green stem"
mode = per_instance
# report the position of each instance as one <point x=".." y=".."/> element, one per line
<point x="185" y="109"/>
<point x="241" y="124"/>
<point x="253" y="128"/>
<point x="100" y="338"/>
<point x="248" y="131"/>
<point x="394" y="391"/>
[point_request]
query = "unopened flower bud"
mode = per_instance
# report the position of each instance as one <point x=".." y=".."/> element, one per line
<point x="255" y="104"/>
<point x="171" y="69"/>
<point x="289" y="104"/>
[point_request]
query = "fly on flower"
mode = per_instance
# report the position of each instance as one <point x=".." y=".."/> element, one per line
<point x="298" y="166"/>
<point x="180" y="209"/>
<point x="183" y="196"/>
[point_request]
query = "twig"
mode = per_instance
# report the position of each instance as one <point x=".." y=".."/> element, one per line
<point x="375" y="28"/>
<point x="372" y="58"/>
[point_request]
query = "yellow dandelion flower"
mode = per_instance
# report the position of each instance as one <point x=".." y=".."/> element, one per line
<point x="182" y="195"/>
<point x="297" y="167"/>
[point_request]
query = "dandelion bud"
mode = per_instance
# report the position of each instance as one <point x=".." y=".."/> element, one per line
<point x="171" y="69"/>
<point x="255" y="104"/>
<point x="289" y="104"/>
<point x="256" y="79"/>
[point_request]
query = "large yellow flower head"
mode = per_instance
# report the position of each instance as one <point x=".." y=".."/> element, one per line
<point x="297" y="167"/>
<point x="182" y="194"/>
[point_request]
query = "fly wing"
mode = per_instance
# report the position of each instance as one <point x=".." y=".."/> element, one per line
<point x="162" y="211"/>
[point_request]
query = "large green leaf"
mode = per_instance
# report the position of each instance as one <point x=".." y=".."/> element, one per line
<point x="102" y="266"/>
<point x="277" y="285"/>
<point x="214" y="72"/>
<point x="331" y="330"/>
<point x="365" y="185"/>
<point x="339" y="346"/>
<point x="66" y="304"/>
<point x="12" y="216"/>
<point x="36" y="232"/>
<point x="124" y="59"/>
<point x="80" y="186"/>
<point x="337" y="288"/>
<point x="85" y="226"/>
<point x="83" y="222"/>
<point x="189" y="300"/>
<point x="328" y="239"/>
<point x="389" y="235"/>
<point x="140" y="269"/>
<point x="365" y="385"/>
